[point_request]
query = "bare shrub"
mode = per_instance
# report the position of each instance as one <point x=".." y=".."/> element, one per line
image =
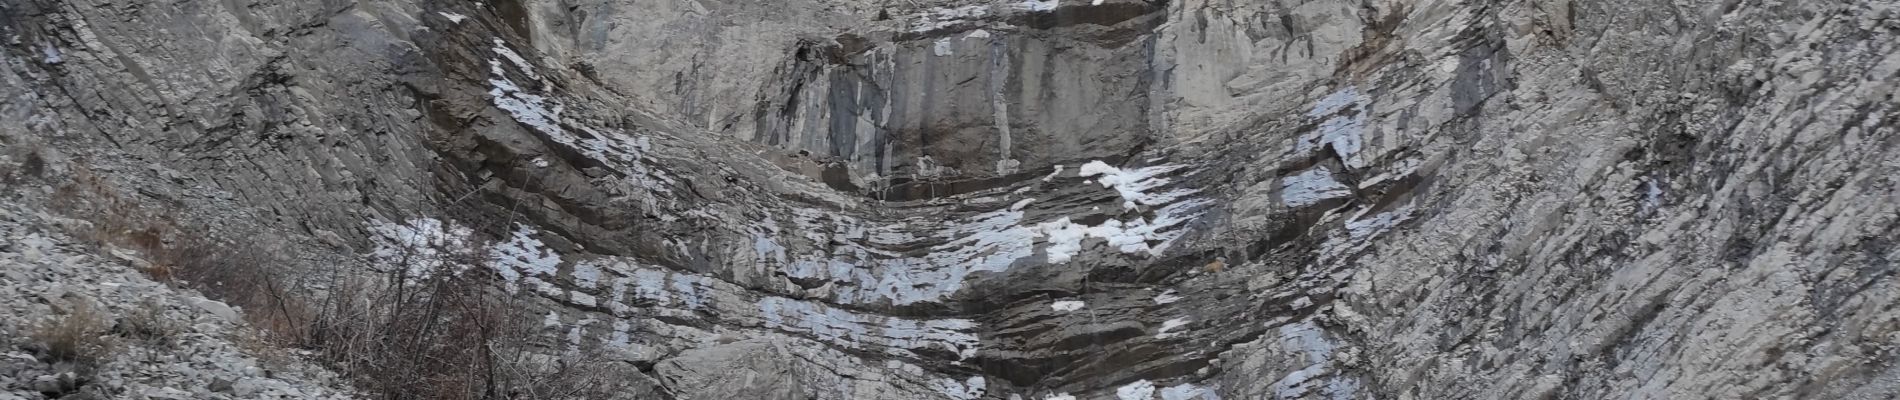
<point x="245" y="276"/>
<point x="147" y="322"/>
<point x="399" y="332"/>
<point x="427" y="336"/>
<point x="79" y="336"/>
<point x="580" y="374"/>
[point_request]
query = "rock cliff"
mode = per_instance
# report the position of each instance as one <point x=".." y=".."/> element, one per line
<point x="1040" y="199"/>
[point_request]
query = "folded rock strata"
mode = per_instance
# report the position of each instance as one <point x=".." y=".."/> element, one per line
<point x="1047" y="199"/>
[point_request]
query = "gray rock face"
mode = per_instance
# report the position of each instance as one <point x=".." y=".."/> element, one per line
<point x="197" y="358"/>
<point x="1043" y="199"/>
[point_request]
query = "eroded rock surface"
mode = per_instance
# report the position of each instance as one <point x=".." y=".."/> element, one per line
<point x="1068" y="199"/>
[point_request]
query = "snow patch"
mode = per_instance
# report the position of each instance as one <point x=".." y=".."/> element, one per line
<point x="985" y="242"/>
<point x="1167" y="297"/>
<point x="967" y="390"/>
<point x="586" y="275"/>
<point x="853" y="330"/>
<point x="1064" y="237"/>
<point x="1039" y="5"/>
<point x="1052" y="175"/>
<point x="1020" y="204"/>
<point x="1168" y="328"/>
<point x="543" y="114"/>
<point x="940" y="18"/>
<point x="622" y="334"/>
<point x="1311" y="187"/>
<point x="1306" y="338"/>
<point x="501" y="49"/>
<point x="582" y="299"/>
<point x="1362" y="228"/>
<point x="988" y="242"/>
<point x="1343" y="132"/>
<point x="529" y="109"/>
<point x="523" y="257"/>
<point x="1187" y="391"/>
<point x="453" y="17"/>
<point x="1059" y="396"/>
<point x="420" y="247"/>
<point x="1334" y="102"/>
<point x="1139" y="390"/>
<point x="52" y="55"/>
<point x="942" y="48"/>
<point x="1066" y="305"/>
<point x="1135" y="184"/>
<point x="1652" y="194"/>
<point x="1365" y="228"/>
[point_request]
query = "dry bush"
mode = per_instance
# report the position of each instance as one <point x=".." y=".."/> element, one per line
<point x="581" y="374"/>
<point x="412" y="337"/>
<point x="239" y="274"/>
<point x="245" y="276"/>
<point x="439" y="335"/>
<point x="147" y="322"/>
<point x="79" y="336"/>
<point x="270" y="350"/>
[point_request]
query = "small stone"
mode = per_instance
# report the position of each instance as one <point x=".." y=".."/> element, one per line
<point x="221" y="385"/>
<point x="166" y="393"/>
<point x="56" y="385"/>
<point x="215" y="308"/>
<point x="47" y="384"/>
<point x="246" y="388"/>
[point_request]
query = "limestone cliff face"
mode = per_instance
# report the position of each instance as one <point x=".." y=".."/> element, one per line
<point x="1050" y="199"/>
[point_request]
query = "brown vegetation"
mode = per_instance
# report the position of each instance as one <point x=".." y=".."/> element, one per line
<point x="399" y="334"/>
<point x="79" y="336"/>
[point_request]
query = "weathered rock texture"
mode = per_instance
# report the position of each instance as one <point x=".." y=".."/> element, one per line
<point x="1098" y="199"/>
<point x="176" y="344"/>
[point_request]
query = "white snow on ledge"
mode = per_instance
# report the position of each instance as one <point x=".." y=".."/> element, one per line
<point x="453" y="17"/>
<point x="543" y="114"/>
<point x="426" y="245"/>
<point x="1187" y="391"/>
<point x="939" y="18"/>
<point x="1307" y="339"/>
<point x="1145" y="390"/>
<point x="1135" y="184"/>
<point x="1067" y="305"/>
<point x="967" y="390"/>
<point x="1137" y="390"/>
<point x="942" y="47"/>
<point x="958" y="249"/>
<point x="1167" y="297"/>
<point x="419" y="247"/>
<point x="1168" y="328"/>
<point x="1311" y="187"/>
<point x="1039" y="5"/>
<point x="1065" y="237"/>
<point x="1343" y="132"/>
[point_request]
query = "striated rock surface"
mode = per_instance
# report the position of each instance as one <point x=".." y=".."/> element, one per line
<point x="1073" y="199"/>
<point x="177" y="345"/>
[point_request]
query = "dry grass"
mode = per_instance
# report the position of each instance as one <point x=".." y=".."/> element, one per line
<point x="441" y="335"/>
<point x="80" y="336"/>
<point x="147" y="322"/>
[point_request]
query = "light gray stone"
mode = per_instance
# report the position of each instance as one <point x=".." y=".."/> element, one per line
<point x="857" y="199"/>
